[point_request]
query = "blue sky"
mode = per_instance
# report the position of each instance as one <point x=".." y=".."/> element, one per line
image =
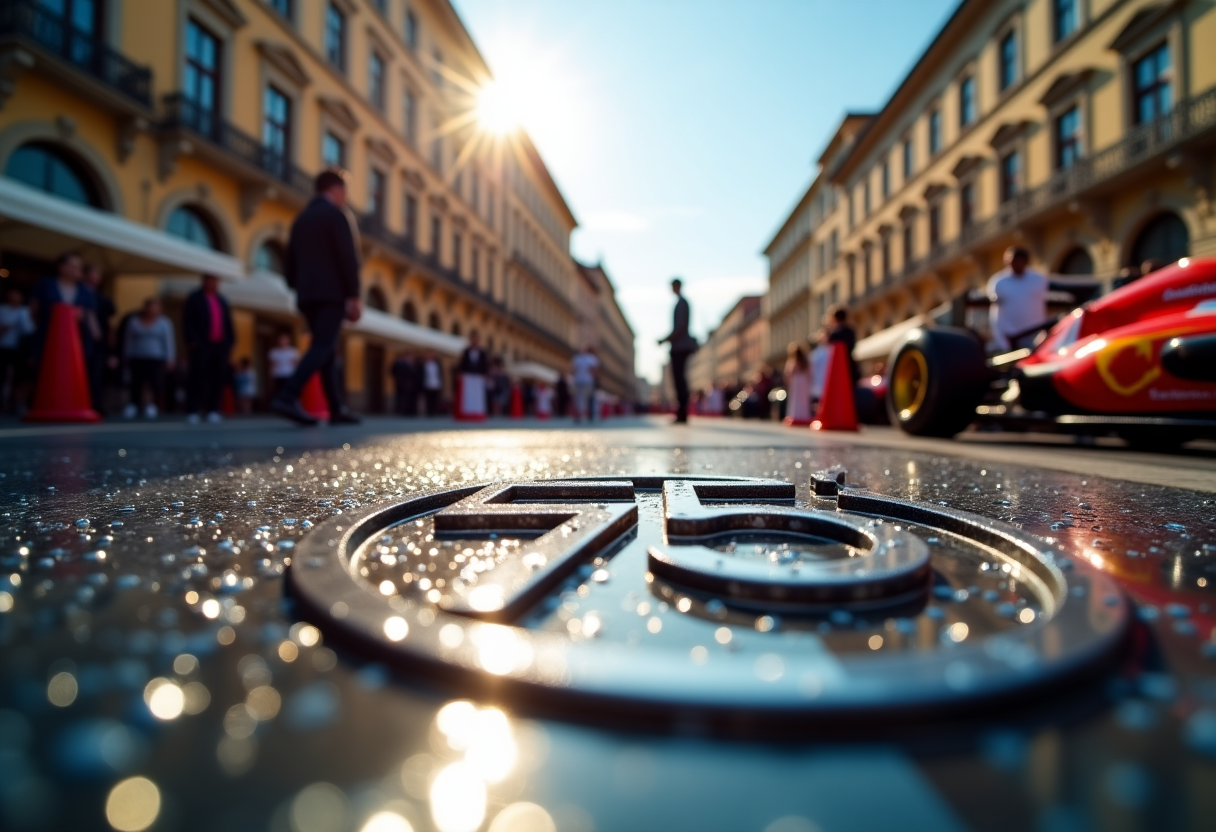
<point x="682" y="131"/>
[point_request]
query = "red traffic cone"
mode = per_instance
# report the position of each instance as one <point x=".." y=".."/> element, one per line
<point x="837" y="410"/>
<point x="63" y="385"/>
<point x="517" y="402"/>
<point x="313" y="398"/>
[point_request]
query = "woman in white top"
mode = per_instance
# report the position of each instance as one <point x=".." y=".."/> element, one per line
<point x="797" y="386"/>
<point x="584" y="370"/>
<point x="150" y="349"/>
<point x="283" y="359"/>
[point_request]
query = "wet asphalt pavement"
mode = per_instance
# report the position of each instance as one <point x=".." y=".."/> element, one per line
<point x="156" y="673"/>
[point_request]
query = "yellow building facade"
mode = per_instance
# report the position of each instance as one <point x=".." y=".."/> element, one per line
<point x="163" y="138"/>
<point x="1080" y="129"/>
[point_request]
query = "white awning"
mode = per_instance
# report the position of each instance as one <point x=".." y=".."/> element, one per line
<point x="534" y="371"/>
<point x="260" y="292"/>
<point x="40" y="225"/>
<point x="383" y="325"/>
<point x="880" y="345"/>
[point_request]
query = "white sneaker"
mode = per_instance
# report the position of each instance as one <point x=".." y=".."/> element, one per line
<point x="192" y="419"/>
<point x="214" y="418"/>
<point x="130" y="411"/>
<point x="150" y="412"/>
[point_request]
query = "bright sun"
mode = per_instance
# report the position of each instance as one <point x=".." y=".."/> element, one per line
<point x="496" y="112"/>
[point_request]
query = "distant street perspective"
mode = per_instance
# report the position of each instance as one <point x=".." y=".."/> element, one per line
<point x="486" y="416"/>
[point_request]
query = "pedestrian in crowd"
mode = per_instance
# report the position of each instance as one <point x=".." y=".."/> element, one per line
<point x="322" y="265"/>
<point x="405" y="384"/>
<point x="245" y="385"/>
<point x="820" y="358"/>
<point x="1018" y="295"/>
<point x="544" y="401"/>
<point x="149" y="349"/>
<point x="102" y="358"/>
<point x="797" y="385"/>
<point x="584" y="368"/>
<point x="432" y="383"/>
<point x="841" y="332"/>
<point x="16" y="328"/>
<point x="283" y="358"/>
<point x="65" y="286"/>
<point x="683" y="345"/>
<point x="209" y="336"/>
<point x="561" y="397"/>
<point x="471" y="375"/>
<point x="500" y="387"/>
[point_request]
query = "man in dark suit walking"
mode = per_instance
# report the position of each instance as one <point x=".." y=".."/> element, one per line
<point x="322" y="265"/>
<point x="683" y="345"/>
<point x="207" y="330"/>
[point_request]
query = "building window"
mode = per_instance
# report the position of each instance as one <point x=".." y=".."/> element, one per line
<point x="376" y="186"/>
<point x="411" y="30"/>
<point x="935" y="132"/>
<point x="475" y="191"/>
<point x="1011" y="175"/>
<point x="333" y="151"/>
<point x="1065" y="17"/>
<point x="475" y="262"/>
<point x="909" y="159"/>
<point x="335" y="37"/>
<point x="1068" y="138"/>
<point x="202" y="79"/>
<point x="886" y="257"/>
<point x="409" y="312"/>
<point x="436" y="235"/>
<point x="283" y="7"/>
<point x="865" y="197"/>
<point x="1153" y="91"/>
<point x="1009" y="59"/>
<point x="411" y="216"/>
<point x="433" y="321"/>
<point x="437" y="70"/>
<point x="276" y="125"/>
<point x="410" y="105"/>
<point x="191" y="225"/>
<point x="375" y="80"/>
<point x="909" y="248"/>
<point x="269" y="257"/>
<point x="437" y="154"/>
<point x="457" y="250"/>
<point x="490" y="205"/>
<point x="966" y="205"/>
<point x="834" y="247"/>
<point x="935" y="225"/>
<point x="966" y="101"/>
<point x="44" y="167"/>
<point x="886" y="180"/>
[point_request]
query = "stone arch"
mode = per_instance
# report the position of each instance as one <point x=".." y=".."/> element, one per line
<point x="1165" y="237"/>
<point x="63" y="136"/>
<point x="1076" y="260"/>
<point x="409" y="312"/>
<point x="1138" y="222"/>
<point x="270" y="234"/>
<point x="376" y="299"/>
<point x="199" y="198"/>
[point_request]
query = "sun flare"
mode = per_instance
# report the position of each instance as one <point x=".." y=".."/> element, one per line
<point x="496" y="112"/>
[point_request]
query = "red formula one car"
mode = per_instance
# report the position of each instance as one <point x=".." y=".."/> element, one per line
<point x="1139" y="362"/>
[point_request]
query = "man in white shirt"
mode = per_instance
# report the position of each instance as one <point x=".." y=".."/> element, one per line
<point x="1019" y="300"/>
<point x="432" y="383"/>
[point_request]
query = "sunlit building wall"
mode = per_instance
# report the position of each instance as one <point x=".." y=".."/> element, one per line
<point x="603" y="326"/>
<point x="1081" y="129"/>
<point x="204" y="121"/>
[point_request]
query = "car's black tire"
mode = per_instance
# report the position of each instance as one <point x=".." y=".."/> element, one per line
<point x="938" y="378"/>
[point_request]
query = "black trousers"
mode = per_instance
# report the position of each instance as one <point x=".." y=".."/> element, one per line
<point x="679" y="377"/>
<point x="325" y="324"/>
<point x="432" y="402"/>
<point x="147" y="373"/>
<point x="208" y="374"/>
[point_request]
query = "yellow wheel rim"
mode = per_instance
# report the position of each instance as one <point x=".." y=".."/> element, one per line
<point x="909" y="383"/>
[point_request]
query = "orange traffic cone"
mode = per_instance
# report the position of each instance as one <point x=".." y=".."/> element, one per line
<point x="313" y="398"/>
<point x="837" y="410"/>
<point x="517" y="402"/>
<point x="63" y="385"/>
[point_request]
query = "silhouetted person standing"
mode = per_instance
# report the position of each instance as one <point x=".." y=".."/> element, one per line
<point x="842" y="333"/>
<point x="322" y="265"/>
<point x="405" y="383"/>
<point x="683" y="345"/>
<point x="207" y="329"/>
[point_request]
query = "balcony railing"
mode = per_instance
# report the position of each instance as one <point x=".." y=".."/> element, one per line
<point x="30" y="20"/>
<point x="1146" y="142"/>
<point x="183" y="114"/>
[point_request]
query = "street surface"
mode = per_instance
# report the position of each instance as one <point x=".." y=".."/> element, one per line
<point x="139" y="556"/>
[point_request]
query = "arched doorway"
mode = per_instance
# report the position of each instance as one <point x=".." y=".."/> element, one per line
<point x="376" y="299"/>
<point x="48" y="168"/>
<point x="1164" y="239"/>
<point x="269" y="257"/>
<point x="409" y="312"/>
<point x="1076" y="261"/>
<point x="456" y="328"/>
<point x="434" y="323"/>
<point x="193" y="225"/>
